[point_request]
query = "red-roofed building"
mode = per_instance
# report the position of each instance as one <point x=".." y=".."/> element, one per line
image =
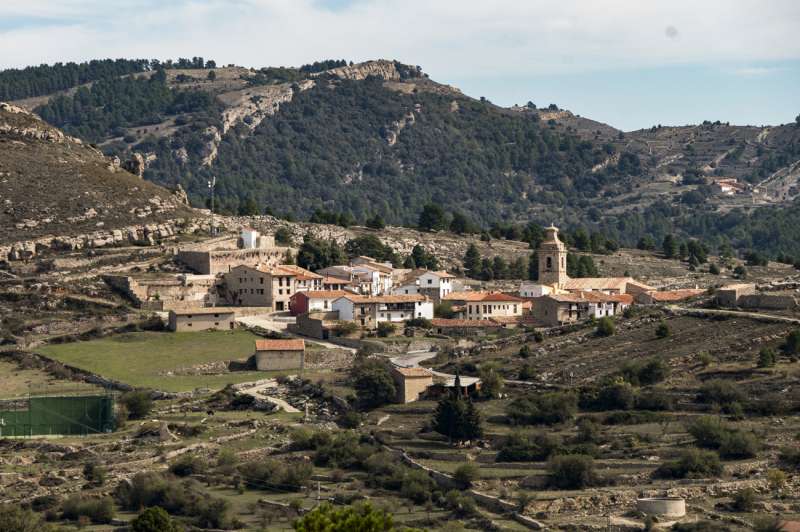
<point x="560" y="309"/>
<point x="368" y="311"/>
<point x="314" y="301"/>
<point x="486" y="305"/>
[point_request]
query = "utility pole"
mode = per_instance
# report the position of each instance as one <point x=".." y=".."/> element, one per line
<point x="211" y="184"/>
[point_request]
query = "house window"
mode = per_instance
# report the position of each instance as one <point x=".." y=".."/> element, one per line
<point x="216" y="324"/>
<point x="549" y="263"/>
<point x="189" y="316"/>
<point x="325" y="304"/>
<point x="216" y="315"/>
<point x="430" y="281"/>
<point x="261" y="279"/>
<point x="188" y="324"/>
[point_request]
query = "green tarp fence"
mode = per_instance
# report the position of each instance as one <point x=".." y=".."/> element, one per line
<point x="74" y="415"/>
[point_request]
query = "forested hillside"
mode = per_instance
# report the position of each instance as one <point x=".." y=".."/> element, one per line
<point x="380" y="139"/>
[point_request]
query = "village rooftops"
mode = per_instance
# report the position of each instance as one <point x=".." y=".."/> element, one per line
<point x="481" y="296"/>
<point x="675" y="295"/>
<point x="591" y="297"/>
<point x="335" y="280"/>
<point x="280" y="345"/>
<point x="405" y="298"/>
<point x="324" y="294"/>
<point x="619" y="284"/>
<point x="463" y="324"/>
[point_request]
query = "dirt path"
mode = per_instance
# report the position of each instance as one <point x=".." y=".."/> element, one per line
<point x="258" y="390"/>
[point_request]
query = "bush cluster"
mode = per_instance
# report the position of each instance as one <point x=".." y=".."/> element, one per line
<point x="276" y="475"/>
<point x="572" y="471"/>
<point x="546" y="409"/>
<point x="98" y="510"/>
<point x="711" y="433"/>
<point x="692" y="463"/>
<point x="183" y="497"/>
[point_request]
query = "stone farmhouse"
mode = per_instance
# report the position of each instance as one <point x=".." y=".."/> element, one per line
<point x="482" y="305"/>
<point x="222" y="255"/>
<point x="202" y="319"/>
<point x="411" y="383"/>
<point x="314" y="301"/>
<point x="433" y="284"/>
<point x="571" y="307"/>
<point x="368" y="311"/>
<point x="280" y="354"/>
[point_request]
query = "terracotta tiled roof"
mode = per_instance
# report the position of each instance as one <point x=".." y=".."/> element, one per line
<point x="441" y="322"/>
<point x="499" y="296"/>
<point x="280" y="345"/>
<point x="464" y="296"/>
<point x="403" y="298"/>
<point x="443" y="274"/>
<point x="301" y="273"/>
<point x="675" y="295"/>
<point x="597" y="283"/>
<point x="413" y="372"/>
<point x="334" y="280"/>
<point x="323" y="294"/>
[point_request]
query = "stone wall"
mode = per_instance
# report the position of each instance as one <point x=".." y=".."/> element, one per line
<point x="767" y="301"/>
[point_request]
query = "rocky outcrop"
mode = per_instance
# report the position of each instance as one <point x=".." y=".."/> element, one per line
<point x="147" y="235"/>
<point x="135" y="165"/>
<point x="391" y="133"/>
<point x="381" y="68"/>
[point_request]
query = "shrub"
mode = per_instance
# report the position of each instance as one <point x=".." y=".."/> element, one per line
<point x="98" y="510"/>
<point x="768" y="523"/>
<point x="94" y="473"/>
<point x="343" y="450"/>
<point x="789" y="459"/>
<point x="616" y="396"/>
<point x="526" y="373"/>
<point x="276" y="475"/>
<point x="632" y="418"/>
<point x="304" y="439"/>
<point x="573" y="471"/>
<point x="720" y="392"/>
<point x="791" y="346"/>
<point x="767" y="358"/>
<point x="385" y="329"/>
<point x="416" y="486"/>
<point x="524" y="352"/>
<point x="137" y="402"/>
<point x="358" y="517"/>
<point x="662" y="331"/>
<point x="345" y="328"/>
<point x="744" y="500"/>
<point x="154" y="519"/>
<point x="645" y="373"/>
<point x="462" y="505"/>
<point x="491" y="381"/>
<point x="605" y="327"/>
<point x="373" y="383"/>
<point x="176" y="497"/>
<point x="705" y="358"/>
<point x="712" y="433"/>
<point x="188" y="465"/>
<point x="547" y="408"/>
<point x="422" y="323"/>
<point x="466" y="474"/>
<point x="527" y="447"/>
<point x="15" y="518"/>
<point x="776" y="479"/>
<point x="654" y="400"/>
<point x="692" y="463"/>
<point x="350" y="420"/>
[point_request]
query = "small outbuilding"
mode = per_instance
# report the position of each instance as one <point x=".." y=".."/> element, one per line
<point x="280" y="354"/>
<point x="202" y="319"/>
<point x="411" y="382"/>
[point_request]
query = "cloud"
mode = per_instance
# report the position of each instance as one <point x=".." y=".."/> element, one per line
<point x="448" y="38"/>
<point x="757" y="72"/>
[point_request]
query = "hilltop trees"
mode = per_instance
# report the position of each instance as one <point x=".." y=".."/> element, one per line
<point x="432" y="218"/>
<point x="373" y="383"/>
<point x="315" y="254"/>
<point x="457" y="418"/>
<point x="472" y="261"/>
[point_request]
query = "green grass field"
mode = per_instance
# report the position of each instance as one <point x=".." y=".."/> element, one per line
<point x="142" y="358"/>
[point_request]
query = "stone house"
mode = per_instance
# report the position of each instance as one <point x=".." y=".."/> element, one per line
<point x="314" y="301"/>
<point x="653" y="297"/>
<point x="728" y="296"/>
<point x="561" y="309"/>
<point x="202" y="319"/>
<point x="280" y="354"/>
<point x="411" y="383"/>
<point x="261" y="287"/>
<point x="367" y="311"/>
<point x="488" y="305"/>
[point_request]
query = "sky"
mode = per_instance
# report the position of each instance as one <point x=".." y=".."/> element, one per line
<point x="629" y="63"/>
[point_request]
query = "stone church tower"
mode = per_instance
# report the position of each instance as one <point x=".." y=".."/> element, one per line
<point x="552" y="255"/>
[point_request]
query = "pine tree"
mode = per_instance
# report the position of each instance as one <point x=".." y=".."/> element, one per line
<point x="472" y="261"/>
<point x="457" y="418"/>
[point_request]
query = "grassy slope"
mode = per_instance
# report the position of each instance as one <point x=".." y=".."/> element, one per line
<point x="140" y="359"/>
